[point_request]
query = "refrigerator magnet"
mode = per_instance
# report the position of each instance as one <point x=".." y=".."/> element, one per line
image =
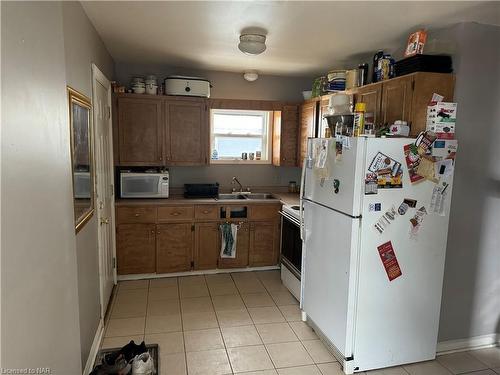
<point x="389" y="260"/>
<point x="438" y="199"/>
<point x="412" y="159"/>
<point x="416" y="222"/>
<point x="371" y="183"/>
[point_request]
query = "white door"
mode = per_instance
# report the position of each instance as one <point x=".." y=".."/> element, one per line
<point x="104" y="185"/>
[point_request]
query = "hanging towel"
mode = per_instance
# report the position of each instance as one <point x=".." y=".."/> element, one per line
<point x="228" y="243"/>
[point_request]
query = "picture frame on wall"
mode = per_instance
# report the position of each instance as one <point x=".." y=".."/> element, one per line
<point x="82" y="157"/>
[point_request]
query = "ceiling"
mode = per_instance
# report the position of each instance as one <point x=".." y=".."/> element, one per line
<point x="304" y="37"/>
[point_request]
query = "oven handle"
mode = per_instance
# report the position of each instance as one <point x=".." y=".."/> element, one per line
<point x="290" y="218"/>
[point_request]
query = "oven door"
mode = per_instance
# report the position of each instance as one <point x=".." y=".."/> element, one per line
<point x="291" y="244"/>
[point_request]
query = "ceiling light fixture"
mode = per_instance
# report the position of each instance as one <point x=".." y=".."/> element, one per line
<point x="251" y="75"/>
<point x="252" y="44"/>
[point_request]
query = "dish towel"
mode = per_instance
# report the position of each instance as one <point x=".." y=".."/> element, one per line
<point x="228" y="243"/>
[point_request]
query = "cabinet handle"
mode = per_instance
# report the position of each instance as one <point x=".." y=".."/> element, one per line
<point x="158" y="232"/>
<point x="152" y="232"/>
<point x="175" y="213"/>
<point x="206" y="212"/>
<point x="161" y="158"/>
<point x="137" y="215"/>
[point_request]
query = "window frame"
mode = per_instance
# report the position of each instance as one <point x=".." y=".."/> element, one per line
<point x="267" y="137"/>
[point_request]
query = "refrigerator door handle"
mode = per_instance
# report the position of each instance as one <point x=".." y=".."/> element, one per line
<point x="301" y="197"/>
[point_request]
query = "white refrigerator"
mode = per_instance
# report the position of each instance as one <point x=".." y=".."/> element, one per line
<point x="372" y="278"/>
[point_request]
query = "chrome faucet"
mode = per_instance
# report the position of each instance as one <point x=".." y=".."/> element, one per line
<point x="235" y="180"/>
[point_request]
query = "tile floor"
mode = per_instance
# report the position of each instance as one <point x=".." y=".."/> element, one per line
<point x="242" y="323"/>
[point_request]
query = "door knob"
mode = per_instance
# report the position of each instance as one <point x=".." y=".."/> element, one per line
<point x="104" y="220"/>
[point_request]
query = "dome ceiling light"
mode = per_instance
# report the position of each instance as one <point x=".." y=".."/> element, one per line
<point x="251" y="75"/>
<point x="252" y="44"/>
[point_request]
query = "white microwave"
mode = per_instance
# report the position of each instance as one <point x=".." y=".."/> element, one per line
<point x="144" y="185"/>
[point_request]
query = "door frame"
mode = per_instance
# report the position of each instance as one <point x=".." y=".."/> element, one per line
<point x="98" y="76"/>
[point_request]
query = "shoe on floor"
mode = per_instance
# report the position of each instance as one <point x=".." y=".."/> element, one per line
<point x="120" y="367"/>
<point x="129" y="352"/>
<point x="143" y="365"/>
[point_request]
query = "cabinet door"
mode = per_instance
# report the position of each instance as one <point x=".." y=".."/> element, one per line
<point x="186" y="132"/>
<point x="289" y="130"/>
<point x="372" y="96"/>
<point x="242" y="248"/>
<point x="425" y="85"/>
<point x="207" y="246"/>
<point x="306" y="128"/>
<point x="135" y="248"/>
<point x="397" y="97"/>
<point x="140" y="131"/>
<point x="174" y="247"/>
<point x="263" y="244"/>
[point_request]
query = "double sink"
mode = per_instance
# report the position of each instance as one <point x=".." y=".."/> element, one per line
<point x="245" y="196"/>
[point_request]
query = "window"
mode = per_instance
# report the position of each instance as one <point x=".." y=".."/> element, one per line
<point x="235" y="132"/>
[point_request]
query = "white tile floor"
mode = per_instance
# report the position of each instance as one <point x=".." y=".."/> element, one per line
<point x="242" y="323"/>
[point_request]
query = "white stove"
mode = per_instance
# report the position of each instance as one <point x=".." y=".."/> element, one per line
<point x="291" y="249"/>
<point x="293" y="211"/>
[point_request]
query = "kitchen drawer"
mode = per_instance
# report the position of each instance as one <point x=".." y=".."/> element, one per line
<point x="264" y="212"/>
<point x="175" y="213"/>
<point x="130" y="215"/>
<point x="206" y="212"/>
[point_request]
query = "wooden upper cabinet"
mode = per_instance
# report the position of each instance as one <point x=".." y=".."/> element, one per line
<point x="371" y="95"/>
<point x="242" y="249"/>
<point x="425" y="84"/>
<point x="397" y="96"/>
<point x="404" y="98"/>
<point x="186" y="139"/>
<point x="307" y="125"/>
<point x="207" y="246"/>
<point x="140" y="131"/>
<point x="285" y="134"/>
<point x="174" y="247"/>
<point x="135" y="248"/>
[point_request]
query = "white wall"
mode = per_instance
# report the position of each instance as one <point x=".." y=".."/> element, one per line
<point x="40" y="326"/>
<point x="226" y="85"/>
<point x="471" y="291"/>
<point x="83" y="47"/>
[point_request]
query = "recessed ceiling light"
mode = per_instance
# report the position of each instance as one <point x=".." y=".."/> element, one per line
<point x="252" y="44"/>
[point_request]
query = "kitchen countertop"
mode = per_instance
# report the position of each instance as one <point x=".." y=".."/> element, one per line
<point x="283" y="198"/>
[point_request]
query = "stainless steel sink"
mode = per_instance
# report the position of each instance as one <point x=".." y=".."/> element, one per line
<point x="231" y="196"/>
<point x="260" y="196"/>
<point x="237" y="196"/>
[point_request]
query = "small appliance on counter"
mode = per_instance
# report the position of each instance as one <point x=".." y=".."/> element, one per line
<point x="187" y="86"/>
<point x="196" y="191"/>
<point x="149" y="183"/>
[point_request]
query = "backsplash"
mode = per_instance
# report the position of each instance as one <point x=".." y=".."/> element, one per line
<point x="249" y="175"/>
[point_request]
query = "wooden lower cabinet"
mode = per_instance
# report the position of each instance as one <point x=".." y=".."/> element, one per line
<point x="179" y="245"/>
<point x="174" y="247"/>
<point x="263" y="243"/>
<point x="136" y="248"/>
<point x="207" y="245"/>
<point x="242" y="249"/>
